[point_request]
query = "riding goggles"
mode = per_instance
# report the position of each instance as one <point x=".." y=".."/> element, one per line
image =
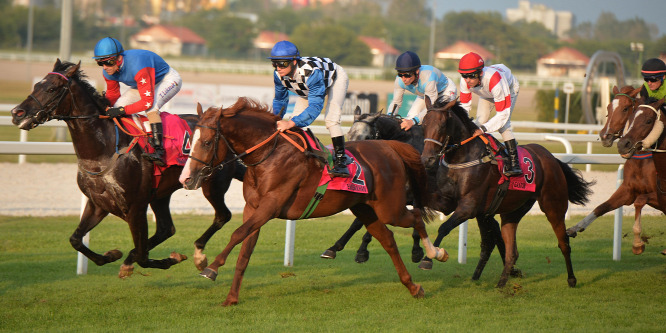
<point x="107" y="62"/>
<point x="406" y="74"/>
<point x="653" y="79"/>
<point x="281" y="63"/>
<point x="469" y="75"/>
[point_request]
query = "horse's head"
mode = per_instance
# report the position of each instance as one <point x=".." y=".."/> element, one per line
<point x="645" y="127"/>
<point x="205" y="153"/>
<point x="435" y="125"/>
<point x="53" y="97"/>
<point x="364" y="128"/>
<point x="620" y="108"/>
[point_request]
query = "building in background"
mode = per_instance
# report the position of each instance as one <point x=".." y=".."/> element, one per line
<point x="565" y="62"/>
<point x="169" y="40"/>
<point x="557" y="22"/>
<point x="448" y="57"/>
<point x="383" y="55"/>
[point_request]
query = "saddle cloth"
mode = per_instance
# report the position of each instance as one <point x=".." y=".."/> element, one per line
<point x="524" y="182"/>
<point x="356" y="180"/>
<point x="175" y="139"/>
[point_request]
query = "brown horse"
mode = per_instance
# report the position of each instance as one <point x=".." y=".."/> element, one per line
<point x="639" y="172"/>
<point x="466" y="163"/>
<point x="115" y="180"/>
<point x="281" y="180"/>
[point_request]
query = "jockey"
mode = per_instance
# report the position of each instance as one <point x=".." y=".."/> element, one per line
<point x="152" y="84"/>
<point x="496" y="88"/>
<point x="312" y="79"/>
<point x="421" y="80"/>
<point x="654" y="72"/>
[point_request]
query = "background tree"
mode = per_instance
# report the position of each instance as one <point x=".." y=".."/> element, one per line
<point x="227" y="36"/>
<point x="332" y="41"/>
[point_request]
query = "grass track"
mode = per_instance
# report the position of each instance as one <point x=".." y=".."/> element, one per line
<point x="39" y="290"/>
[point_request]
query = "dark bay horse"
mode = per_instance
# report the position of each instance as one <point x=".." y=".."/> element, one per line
<point x="466" y="163"/>
<point x="282" y="179"/>
<point x="640" y="179"/>
<point x="386" y="127"/>
<point x="116" y="180"/>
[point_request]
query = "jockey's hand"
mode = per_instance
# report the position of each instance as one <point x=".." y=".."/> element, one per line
<point x="115" y="112"/>
<point x="283" y="125"/>
<point x="406" y="124"/>
<point x="478" y="132"/>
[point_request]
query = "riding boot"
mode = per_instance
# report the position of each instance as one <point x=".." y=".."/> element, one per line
<point x="513" y="167"/>
<point x="157" y="156"/>
<point x="339" y="165"/>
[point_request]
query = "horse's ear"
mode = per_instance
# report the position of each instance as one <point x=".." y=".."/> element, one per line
<point x="357" y="113"/>
<point x="72" y="69"/>
<point x="199" y="110"/>
<point x="428" y="103"/>
<point x="615" y="90"/>
<point x="450" y="104"/>
<point x="57" y="64"/>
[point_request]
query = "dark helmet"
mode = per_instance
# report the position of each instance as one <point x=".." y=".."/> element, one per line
<point x="470" y="63"/>
<point x="284" y="50"/>
<point x="407" y="62"/>
<point x="108" y="47"/>
<point x="653" y="68"/>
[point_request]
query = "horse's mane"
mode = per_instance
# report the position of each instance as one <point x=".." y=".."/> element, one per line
<point x="246" y="104"/>
<point x="461" y="114"/>
<point x="81" y="77"/>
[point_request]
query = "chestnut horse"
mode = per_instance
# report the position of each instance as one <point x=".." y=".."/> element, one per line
<point x="116" y="179"/>
<point x="386" y="127"/>
<point x="282" y="179"/>
<point x="639" y="184"/>
<point x="466" y="163"/>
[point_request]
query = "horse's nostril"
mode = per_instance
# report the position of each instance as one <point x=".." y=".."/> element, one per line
<point x="18" y="113"/>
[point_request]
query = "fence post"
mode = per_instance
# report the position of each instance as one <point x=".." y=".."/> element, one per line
<point x="617" y="226"/>
<point x="289" y="236"/>
<point x="82" y="261"/>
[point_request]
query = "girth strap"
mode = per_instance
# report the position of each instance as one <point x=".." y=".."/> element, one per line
<point x="497" y="199"/>
<point x="314" y="202"/>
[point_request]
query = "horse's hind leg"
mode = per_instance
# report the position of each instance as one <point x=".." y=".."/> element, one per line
<point x="90" y="218"/>
<point x="417" y="251"/>
<point x="556" y="218"/>
<point x="509" y="236"/>
<point x="330" y="253"/>
<point x="638" y="246"/>
<point x="362" y="254"/>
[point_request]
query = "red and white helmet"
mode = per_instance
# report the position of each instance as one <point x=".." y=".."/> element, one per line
<point x="470" y="63"/>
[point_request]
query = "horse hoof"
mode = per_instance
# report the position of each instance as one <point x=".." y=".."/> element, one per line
<point x="572" y="233"/>
<point x="179" y="257"/>
<point x="442" y="255"/>
<point x="663" y="252"/>
<point x="125" y="271"/>
<point x="572" y="282"/>
<point x="209" y="274"/>
<point x="362" y="256"/>
<point x="112" y="255"/>
<point x="638" y="249"/>
<point x="417" y="255"/>
<point x="501" y="283"/>
<point x="515" y="272"/>
<point x="420" y="293"/>
<point x="328" y="254"/>
<point x="425" y="265"/>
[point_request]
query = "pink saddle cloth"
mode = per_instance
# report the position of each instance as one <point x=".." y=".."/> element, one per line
<point x="354" y="183"/>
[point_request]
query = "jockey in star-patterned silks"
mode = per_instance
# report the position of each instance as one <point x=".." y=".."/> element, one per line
<point x="152" y="84"/>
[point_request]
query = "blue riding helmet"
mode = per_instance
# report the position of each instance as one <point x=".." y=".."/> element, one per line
<point x="407" y="62"/>
<point x="108" y="47"/>
<point x="284" y="50"/>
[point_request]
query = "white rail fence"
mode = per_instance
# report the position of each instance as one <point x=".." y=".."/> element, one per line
<point x="24" y="147"/>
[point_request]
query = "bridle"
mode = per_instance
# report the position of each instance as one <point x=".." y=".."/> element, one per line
<point x="634" y="104"/>
<point x="45" y="111"/>
<point x="209" y="167"/>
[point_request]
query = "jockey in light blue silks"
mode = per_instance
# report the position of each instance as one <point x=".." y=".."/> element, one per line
<point x="312" y="79"/>
<point x="420" y="80"/>
<point x="152" y="81"/>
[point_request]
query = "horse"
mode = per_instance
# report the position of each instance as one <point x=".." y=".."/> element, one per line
<point x="639" y="184"/>
<point x="119" y="183"/>
<point x="645" y="131"/>
<point x="465" y="160"/>
<point x="282" y="178"/>
<point x="380" y="126"/>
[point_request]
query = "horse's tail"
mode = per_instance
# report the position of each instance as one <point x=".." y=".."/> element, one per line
<point x="416" y="172"/>
<point x="579" y="189"/>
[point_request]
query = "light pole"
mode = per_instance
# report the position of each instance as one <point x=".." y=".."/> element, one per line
<point x="638" y="47"/>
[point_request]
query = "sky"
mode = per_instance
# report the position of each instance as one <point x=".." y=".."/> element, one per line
<point x="651" y="11"/>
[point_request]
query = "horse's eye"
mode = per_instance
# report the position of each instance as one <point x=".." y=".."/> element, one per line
<point x="207" y="143"/>
<point x="50" y="90"/>
<point x="649" y="121"/>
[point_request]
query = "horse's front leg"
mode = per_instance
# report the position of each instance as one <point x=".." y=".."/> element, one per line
<point x="456" y="219"/>
<point x="488" y="228"/>
<point x="241" y="264"/>
<point x="91" y="217"/>
<point x="638" y="246"/>
<point x="253" y="221"/>
<point x="622" y="196"/>
<point x="214" y="191"/>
